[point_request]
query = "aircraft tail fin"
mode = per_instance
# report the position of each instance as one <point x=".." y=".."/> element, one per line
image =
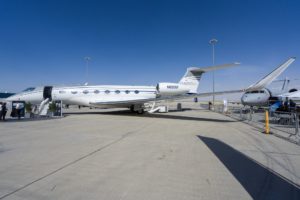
<point x="193" y="75"/>
<point x="271" y="76"/>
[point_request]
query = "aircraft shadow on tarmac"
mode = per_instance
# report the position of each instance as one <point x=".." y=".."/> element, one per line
<point x="148" y="115"/>
<point x="258" y="181"/>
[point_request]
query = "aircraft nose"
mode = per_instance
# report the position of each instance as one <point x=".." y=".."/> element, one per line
<point x="244" y="99"/>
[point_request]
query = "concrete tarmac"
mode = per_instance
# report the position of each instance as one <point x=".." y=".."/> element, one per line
<point x="195" y="154"/>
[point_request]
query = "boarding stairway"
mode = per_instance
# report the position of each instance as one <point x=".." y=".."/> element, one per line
<point x="44" y="107"/>
<point x="160" y="109"/>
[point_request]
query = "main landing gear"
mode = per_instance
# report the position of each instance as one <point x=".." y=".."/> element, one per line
<point x="137" y="109"/>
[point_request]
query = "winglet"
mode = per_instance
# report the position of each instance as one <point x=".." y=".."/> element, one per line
<point x="272" y="76"/>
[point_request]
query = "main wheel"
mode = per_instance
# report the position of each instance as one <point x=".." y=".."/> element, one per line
<point x="131" y="108"/>
<point x="140" y="111"/>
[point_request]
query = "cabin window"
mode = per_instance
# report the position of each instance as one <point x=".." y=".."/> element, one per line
<point x="107" y="91"/>
<point x="74" y="92"/>
<point x="117" y="91"/>
<point x="136" y="91"/>
<point x="85" y="92"/>
<point x="96" y="91"/>
<point x="127" y="91"/>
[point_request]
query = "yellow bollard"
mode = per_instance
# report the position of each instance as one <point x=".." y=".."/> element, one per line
<point x="267" y="123"/>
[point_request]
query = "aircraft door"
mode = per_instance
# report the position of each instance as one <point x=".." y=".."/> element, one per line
<point x="47" y="93"/>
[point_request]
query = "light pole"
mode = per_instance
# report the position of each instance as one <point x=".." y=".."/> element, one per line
<point x="87" y="59"/>
<point x="213" y="42"/>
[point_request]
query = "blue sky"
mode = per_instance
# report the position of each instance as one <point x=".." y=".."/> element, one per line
<point x="143" y="42"/>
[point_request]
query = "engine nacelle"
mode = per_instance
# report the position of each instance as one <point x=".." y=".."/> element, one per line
<point x="170" y="89"/>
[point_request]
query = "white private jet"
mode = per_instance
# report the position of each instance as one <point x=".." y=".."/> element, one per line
<point x="295" y="96"/>
<point x="258" y="95"/>
<point x="119" y="96"/>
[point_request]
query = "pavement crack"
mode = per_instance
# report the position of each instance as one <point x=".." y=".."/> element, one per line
<point x="53" y="188"/>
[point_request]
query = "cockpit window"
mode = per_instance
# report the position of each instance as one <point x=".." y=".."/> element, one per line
<point x="29" y="89"/>
<point x="255" y="92"/>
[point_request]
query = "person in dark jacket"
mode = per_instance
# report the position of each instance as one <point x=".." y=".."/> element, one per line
<point x="3" y="112"/>
<point x="209" y="105"/>
<point x="292" y="105"/>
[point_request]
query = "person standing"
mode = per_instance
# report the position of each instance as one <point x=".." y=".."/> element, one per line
<point x="3" y="111"/>
<point x="292" y="105"/>
<point x="18" y="108"/>
<point x="225" y="105"/>
<point x="209" y="105"/>
<point x="0" y="110"/>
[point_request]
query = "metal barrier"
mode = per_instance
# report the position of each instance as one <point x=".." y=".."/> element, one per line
<point x="282" y="124"/>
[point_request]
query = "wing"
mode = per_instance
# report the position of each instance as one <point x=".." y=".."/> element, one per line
<point x="122" y="103"/>
<point x="272" y="76"/>
<point x="192" y="95"/>
<point x="220" y="93"/>
<point x="129" y="102"/>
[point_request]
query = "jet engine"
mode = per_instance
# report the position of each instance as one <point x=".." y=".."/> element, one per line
<point x="171" y="89"/>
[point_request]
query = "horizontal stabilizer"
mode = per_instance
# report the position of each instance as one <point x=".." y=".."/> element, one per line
<point x="212" y="68"/>
<point x="272" y="76"/>
<point x="193" y="75"/>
